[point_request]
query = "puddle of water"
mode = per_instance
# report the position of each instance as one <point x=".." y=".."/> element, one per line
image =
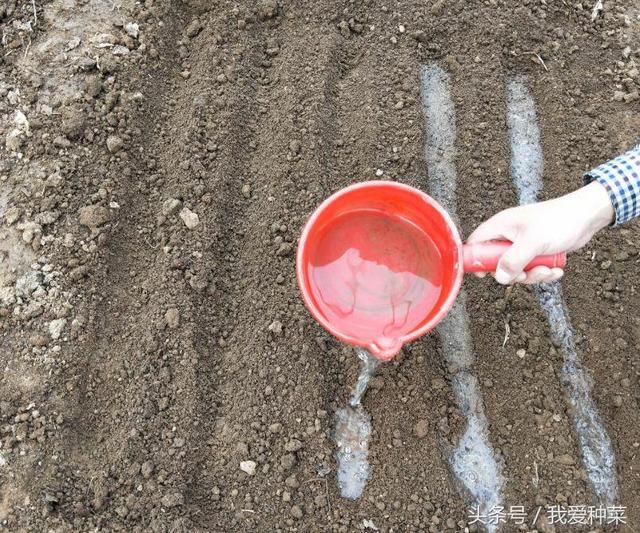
<point x="353" y="428"/>
<point x="526" y="168"/>
<point x="595" y="444"/>
<point x="440" y="149"/>
<point x="352" y="432"/>
<point x="526" y="153"/>
<point x="473" y="461"/>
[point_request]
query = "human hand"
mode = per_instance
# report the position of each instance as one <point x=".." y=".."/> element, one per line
<point x="563" y="224"/>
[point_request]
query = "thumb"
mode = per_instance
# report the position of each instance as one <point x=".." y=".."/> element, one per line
<point x="497" y="227"/>
<point x="514" y="260"/>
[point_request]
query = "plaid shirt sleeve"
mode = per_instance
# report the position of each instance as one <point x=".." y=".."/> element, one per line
<point x="621" y="178"/>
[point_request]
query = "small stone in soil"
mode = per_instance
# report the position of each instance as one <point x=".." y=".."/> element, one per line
<point x="56" y="327"/>
<point x="248" y="467"/>
<point x="114" y="143"/>
<point x="190" y="219"/>
<point x="132" y="29"/>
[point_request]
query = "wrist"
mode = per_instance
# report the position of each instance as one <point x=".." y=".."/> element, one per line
<point x="596" y="206"/>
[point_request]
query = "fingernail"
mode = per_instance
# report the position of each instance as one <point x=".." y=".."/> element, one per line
<point x="502" y="277"/>
<point x="520" y="277"/>
<point x="555" y="276"/>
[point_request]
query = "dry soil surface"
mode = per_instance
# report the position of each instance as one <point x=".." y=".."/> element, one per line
<point x="158" y="160"/>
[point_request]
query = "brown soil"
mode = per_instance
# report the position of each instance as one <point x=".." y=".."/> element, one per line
<point x="139" y="363"/>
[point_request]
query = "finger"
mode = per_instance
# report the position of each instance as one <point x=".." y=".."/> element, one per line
<point x="513" y="261"/>
<point x="556" y="274"/>
<point x="539" y="274"/>
<point x="520" y="278"/>
<point x="479" y="274"/>
<point x="497" y="227"/>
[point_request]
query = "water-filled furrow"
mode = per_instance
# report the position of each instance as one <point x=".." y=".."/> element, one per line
<point x="473" y="461"/>
<point x="352" y="433"/>
<point x="526" y="170"/>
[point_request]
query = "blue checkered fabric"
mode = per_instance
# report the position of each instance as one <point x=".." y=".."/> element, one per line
<point x="621" y="178"/>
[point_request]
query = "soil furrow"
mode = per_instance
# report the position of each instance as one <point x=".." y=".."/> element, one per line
<point x="414" y="384"/>
<point x="257" y="352"/>
<point x="539" y="420"/>
<point x="611" y="364"/>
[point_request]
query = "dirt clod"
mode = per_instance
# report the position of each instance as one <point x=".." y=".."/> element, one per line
<point x="172" y="499"/>
<point x="421" y="429"/>
<point x="73" y="123"/>
<point x="267" y="9"/>
<point x="172" y="318"/>
<point x="93" y="216"/>
<point x="194" y="28"/>
<point x="171" y="206"/>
